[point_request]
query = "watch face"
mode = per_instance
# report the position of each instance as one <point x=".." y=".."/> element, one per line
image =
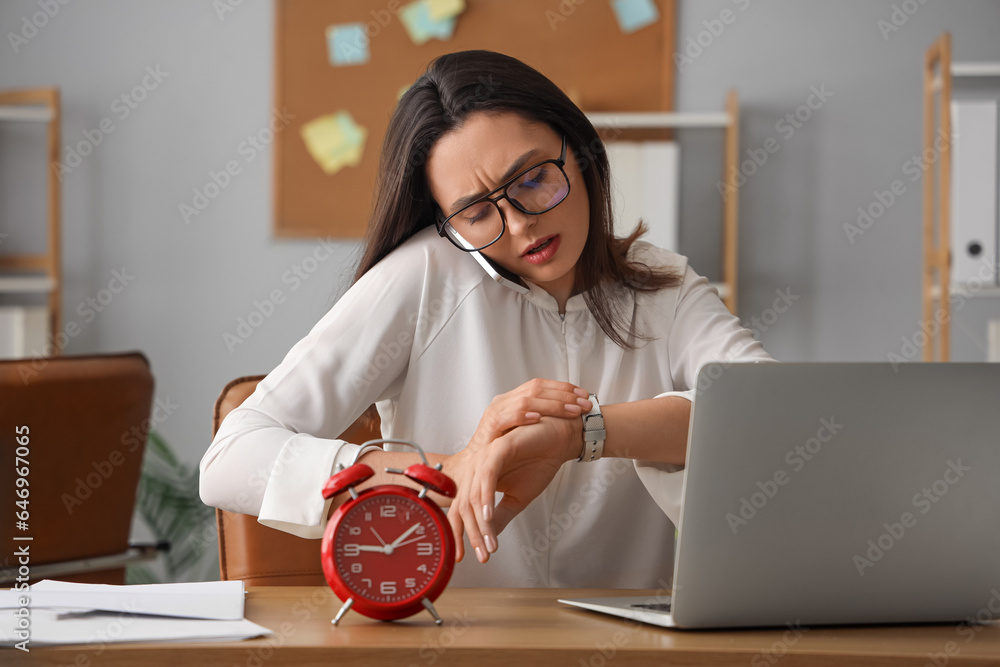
<point x="388" y="548"/>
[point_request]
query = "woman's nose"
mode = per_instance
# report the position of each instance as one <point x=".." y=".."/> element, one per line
<point x="518" y="222"/>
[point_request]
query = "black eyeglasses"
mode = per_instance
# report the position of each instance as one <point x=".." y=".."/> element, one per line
<point x="533" y="191"/>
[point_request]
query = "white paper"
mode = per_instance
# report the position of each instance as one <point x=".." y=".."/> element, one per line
<point x="49" y="626"/>
<point x="218" y="600"/>
<point x="62" y="612"/>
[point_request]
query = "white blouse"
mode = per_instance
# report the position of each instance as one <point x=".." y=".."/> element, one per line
<point x="429" y="338"/>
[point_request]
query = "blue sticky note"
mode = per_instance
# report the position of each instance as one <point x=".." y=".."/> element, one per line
<point x="634" y="15"/>
<point x="347" y="44"/>
<point x="421" y="26"/>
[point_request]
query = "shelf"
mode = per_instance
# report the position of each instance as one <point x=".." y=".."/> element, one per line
<point x="39" y="274"/>
<point x="651" y="120"/>
<point x="28" y="113"/>
<point x="991" y="292"/>
<point x="975" y="69"/>
<point x="939" y="72"/>
<point x="968" y="70"/>
<point x="727" y="120"/>
<point x="15" y="284"/>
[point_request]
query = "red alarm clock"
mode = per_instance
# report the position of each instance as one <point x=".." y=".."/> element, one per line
<point x="388" y="551"/>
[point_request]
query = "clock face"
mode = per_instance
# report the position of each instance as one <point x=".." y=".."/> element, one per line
<point x="388" y="548"/>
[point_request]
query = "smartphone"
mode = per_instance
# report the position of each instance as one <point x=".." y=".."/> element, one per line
<point x="495" y="271"/>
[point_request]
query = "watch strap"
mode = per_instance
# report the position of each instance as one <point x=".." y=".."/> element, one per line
<point x="594" y="433"/>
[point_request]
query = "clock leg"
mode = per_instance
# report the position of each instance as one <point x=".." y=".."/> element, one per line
<point x="343" y="610"/>
<point x="432" y="610"/>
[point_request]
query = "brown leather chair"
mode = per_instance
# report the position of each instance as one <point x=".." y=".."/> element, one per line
<point x="83" y="421"/>
<point x="259" y="555"/>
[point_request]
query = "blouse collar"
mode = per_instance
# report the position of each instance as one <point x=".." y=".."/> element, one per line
<point x="543" y="299"/>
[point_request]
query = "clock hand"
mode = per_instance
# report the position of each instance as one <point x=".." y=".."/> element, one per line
<point x="379" y="537"/>
<point x="367" y="547"/>
<point x="409" y="531"/>
<point x="415" y="539"/>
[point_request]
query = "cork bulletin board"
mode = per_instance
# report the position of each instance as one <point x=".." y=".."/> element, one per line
<point x="580" y="45"/>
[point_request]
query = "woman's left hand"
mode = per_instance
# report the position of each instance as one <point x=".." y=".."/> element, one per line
<point x="519" y="464"/>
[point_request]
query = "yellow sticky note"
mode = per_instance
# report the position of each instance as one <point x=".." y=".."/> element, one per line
<point x="445" y="9"/>
<point x="335" y="141"/>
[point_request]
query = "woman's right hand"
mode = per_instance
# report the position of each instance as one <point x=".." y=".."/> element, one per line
<point x="527" y="404"/>
<point x="523" y="405"/>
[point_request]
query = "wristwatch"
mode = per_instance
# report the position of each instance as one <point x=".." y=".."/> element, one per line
<point x="593" y="433"/>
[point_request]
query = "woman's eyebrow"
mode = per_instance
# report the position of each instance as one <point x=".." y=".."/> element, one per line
<point x="514" y="168"/>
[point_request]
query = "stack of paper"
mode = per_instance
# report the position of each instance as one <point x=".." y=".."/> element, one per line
<point x="67" y="613"/>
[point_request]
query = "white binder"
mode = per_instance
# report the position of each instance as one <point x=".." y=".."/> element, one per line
<point x="644" y="184"/>
<point x="974" y="192"/>
<point x="23" y="331"/>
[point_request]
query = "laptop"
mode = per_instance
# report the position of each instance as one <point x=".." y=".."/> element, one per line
<point x="836" y="493"/>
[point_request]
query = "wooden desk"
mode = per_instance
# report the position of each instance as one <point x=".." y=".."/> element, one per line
<point x="523" y="627"/>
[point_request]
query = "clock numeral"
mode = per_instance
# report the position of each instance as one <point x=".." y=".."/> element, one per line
<point x="387" y="588"/>
<point x="368" y="516"/>
<point x="422" y="568"/>
<point x="354" y="530"/>
<point x="355" y="568"/>
<point x="410" y="583"/>
<point x="352" y="550"/>
<point x="369" y="584"/>
<point x="425" y="548"/>
<point x="421" y="530"/>
<point x="407" y="516"/>
<point x="387" y="511"/>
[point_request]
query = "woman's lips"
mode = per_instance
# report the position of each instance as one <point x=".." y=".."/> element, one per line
<point x="546" y="253"/>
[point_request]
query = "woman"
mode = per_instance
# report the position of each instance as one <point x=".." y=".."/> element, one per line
<point x="486" y="164"/>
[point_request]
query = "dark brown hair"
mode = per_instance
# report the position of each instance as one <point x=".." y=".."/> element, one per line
<point x="458" y="84"/>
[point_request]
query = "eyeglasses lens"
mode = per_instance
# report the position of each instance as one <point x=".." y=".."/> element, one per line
<point x="535" y="191"/>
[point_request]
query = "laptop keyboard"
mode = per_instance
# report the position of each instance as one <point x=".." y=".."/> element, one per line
<point x="657" y="606"/>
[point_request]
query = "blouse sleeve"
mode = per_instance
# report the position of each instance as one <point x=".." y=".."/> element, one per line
<point x="703" y="331"/>
<point x="272" y="454"/>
